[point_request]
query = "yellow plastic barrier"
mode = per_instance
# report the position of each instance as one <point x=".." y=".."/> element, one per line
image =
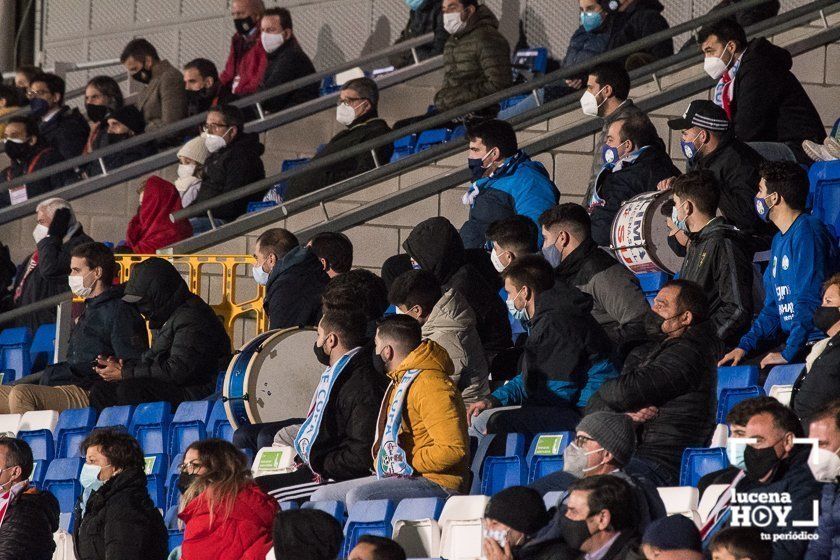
<point x="229" y="310"/>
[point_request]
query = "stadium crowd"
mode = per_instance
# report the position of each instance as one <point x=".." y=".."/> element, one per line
<point x="520" y="321"/>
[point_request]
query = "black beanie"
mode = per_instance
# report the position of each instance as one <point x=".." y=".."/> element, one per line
<point x="518" y="507"/>
<point x="306" y="534"/>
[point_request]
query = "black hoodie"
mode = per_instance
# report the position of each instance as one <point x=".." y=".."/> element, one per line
<point x="293" y="291"/>
<point x="191" y="346"/>
<point x="234" y="166"/>
<point x="642" y="18"/>
<point x="437" y="247"/>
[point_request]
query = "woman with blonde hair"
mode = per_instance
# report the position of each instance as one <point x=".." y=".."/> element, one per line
<point x="226" y="516"/>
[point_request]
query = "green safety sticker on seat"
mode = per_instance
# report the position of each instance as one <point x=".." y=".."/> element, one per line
<point x="270" y="460"/>
<point x="150" y="464"/>
<point x="549" y="444"/>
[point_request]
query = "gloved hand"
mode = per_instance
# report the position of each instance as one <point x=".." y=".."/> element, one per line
<point x="60" y="222"/>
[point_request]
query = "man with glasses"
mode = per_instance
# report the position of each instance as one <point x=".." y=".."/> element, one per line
<point x="28" y="517"/>
<point x="234" y="161"/>
<point x="28" y="153"/>
<point x="357" y="110"/>
<point x="62" y="127"/>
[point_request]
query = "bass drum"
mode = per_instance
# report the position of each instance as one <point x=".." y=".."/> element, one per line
<point x="640" y="235"/>
<point x="272" y="378"/>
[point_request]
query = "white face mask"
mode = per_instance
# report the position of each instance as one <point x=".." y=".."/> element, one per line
<point x="260" y="275"/>
<point x="452" y="23"/>
<point x="715" y="66"/>
<point x="824" y="464"/>
<point x="186" y="170"/>
<point x="77" y="285"/>
<point x="589" y="103"/>
<point x="40" y="232"/>
<point x="271" y="41"/>
<point x="345" y="114"/>
<point x="214" y="143"/>
<point x="497" y="263"/>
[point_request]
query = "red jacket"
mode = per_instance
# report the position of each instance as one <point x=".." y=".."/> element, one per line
<point x="245" y="534"/>
<point x="151" y="229"/>
<point x="247" y="61"/>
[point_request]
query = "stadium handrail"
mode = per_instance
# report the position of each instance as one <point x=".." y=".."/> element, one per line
<point x="328" y="193"/>
<point x="253" y="99"/>
<point x="40" y="305"/>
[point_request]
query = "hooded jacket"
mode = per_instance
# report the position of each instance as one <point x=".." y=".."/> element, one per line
<point x="519" y="186"/>
<point x="437" y="247"/>
<point x="434" y="420"/>
<point x="27" y="530"/>
<point x="245" y="64"/>
<point x="619" y="305"/>
<point x="617" y="187"/>
<point x="191" y="346"/>
<point x="452" y="324"/>
<point x="476" y="62"/>
<point x="365" y="128"/>
<point x="120" y="521"/>
<point x="716" y="260"/>
<point x="642" y="18"/>
<point x="679" y="376"/>
<point x="294" y="288"/>
<point x="286" y="64"/>
<point x="566" y="356"/>
<point x="67" y="131"/>
<point x="236" y="165"/>
<point x="244" y="534"/>
<point x="769" y="103"/>
<point x="585" y="45"/>
<point x="151" y="229"/>
<point x="427" y="18"/>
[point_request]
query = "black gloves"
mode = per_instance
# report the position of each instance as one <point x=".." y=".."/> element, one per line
<point x="60" y="222"/>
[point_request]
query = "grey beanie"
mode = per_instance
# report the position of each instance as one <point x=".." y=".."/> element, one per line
<point x="613" y="431"/>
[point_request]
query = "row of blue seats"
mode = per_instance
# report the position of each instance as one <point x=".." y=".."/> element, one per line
<point x="21" y="353"/>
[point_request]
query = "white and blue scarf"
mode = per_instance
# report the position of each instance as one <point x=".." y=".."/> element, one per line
<point x="390" y="458"/>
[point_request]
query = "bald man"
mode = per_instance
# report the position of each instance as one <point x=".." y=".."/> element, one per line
<point x="246" y="62"/>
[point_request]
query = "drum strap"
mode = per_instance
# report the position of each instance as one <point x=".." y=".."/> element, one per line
<point x="312" y="425"/>
<point x="390" y="458"/>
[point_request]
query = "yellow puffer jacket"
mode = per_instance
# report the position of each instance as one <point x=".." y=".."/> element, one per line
<point x="434" y="421"/>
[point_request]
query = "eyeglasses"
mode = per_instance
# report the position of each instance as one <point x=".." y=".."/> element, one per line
<point x="349" y="100"/>
<point x="580" y="441"/>
<point x="33" y="93"/>
<point x="192" y="466"/>
<point x="214" y="126"/>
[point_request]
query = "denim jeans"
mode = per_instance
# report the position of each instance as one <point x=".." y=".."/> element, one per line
<point x="202" y="224"/>
<point x="371" y="488"/>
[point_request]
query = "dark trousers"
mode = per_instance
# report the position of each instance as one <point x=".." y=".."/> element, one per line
<point x="136" y="391"/>
<point x="257" y="436"/>
<point x="656" y="473"/>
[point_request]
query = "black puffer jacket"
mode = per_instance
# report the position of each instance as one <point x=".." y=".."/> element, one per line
<point x="294" y="288"/>
<point x="191" y="346"/>
<point x="120" y="521"/>
<point x="27" y="530"/>
<point x="425" y="19"/>
<point x="642" y="18"/>
<point x="232" y="167"/>
<point x="108" y="326"/>
<point x="617" y="187"/>
<point x="816" y="386"/>
<point x="286" y="64"/>
<point x="718" y="261"/>
<point x="67" y="131"/>
<point x="45" y="156"/>
<point x="679" y="375"/>
<point x="342" y="449"/>
<point x="437" y="247"/>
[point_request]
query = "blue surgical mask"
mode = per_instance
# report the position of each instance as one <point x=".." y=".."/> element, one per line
<point x="735" y="454"/>
<point x="688" y="147"/>
<point x="609" y="154"/>
<point x="518" y="314"/>
<point x="414" y="4"/>
<point x="762" y="208"/>
<point x="38" y="107"/>
<point x="89" y="477"/>
<point x="680" y="224"/>
<point x="553" y="255"/>
<point x="590" y="21"/>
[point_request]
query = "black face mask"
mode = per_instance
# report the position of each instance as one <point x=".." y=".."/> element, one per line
<point x="199" y="98"/>
<point x="114" y="138"/>
<point x="143" y="76"/>
<point x="379" y="364"/>
<point x="575" y="533"/>
<point x="19" y="152"/>
<point x="243" y="25"/>
<point x="321" y="354"/>
<point x="184" y="481"/>
<point x="97" y="113"/>
<point x="824" y="317"/>
<point x="759" y="462"/>
<point x="653" y="325"/>
<point x="22" y="99"/>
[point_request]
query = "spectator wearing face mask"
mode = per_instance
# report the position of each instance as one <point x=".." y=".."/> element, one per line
<point x="62" y="127"/>
<point x="424" y="17"/>
<point x="802" y="256"/>
<point x="235" y="160"/>
<point x="588" y="41"/>
<point x="121" y="124"/>
<point x="23" y="79"/>
<point x="293" y="278"/>
<point x="764" y="100"/>
<point x="675" y="536"/>
<point x="335" y="251"/>
<point x="102" y="96"/>
<point x="819" y="381"/>
<point x="358" y="101"/>
<point x="246" y="61"/>
<point x="505" y="181"/>
<point x="44" y="273"/>
<point x="825" y="466"/>
<point x="634" y="162"/>
<point x="511" y="239"/>
<point x="286" y="61"/>
<point x="7" y="278"/>
<point x="191" y="158"/>
<point x="9" y="103"/>
<point x="743" y="543"/>
<point x="512" y="518"/>
<point x="202" y="86"/>
<point x="150" y="228"/>
<point x="163" y="101"/>
<point x="28" y="152"/>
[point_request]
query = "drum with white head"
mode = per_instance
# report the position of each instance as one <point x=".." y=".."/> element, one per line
<point x="640" y="235"/>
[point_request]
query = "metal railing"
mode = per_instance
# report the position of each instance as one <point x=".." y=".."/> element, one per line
<point x="256" y="99"/>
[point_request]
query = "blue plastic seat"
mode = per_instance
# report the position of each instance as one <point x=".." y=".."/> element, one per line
<point x="512" y="101"/>
<point x="14" y="353"/>
<point x="546" y="454"/>
<point x="39" y="471"/>
<point x="824" y="194"/>
<point x="62" y="480"/>
<point x="404" y="147"/>
<point x="411" y="509"/>
<point x="256" y="206"/>
<point x="288" y="506"/>
<point x="157" y="466"/>
<point x="171" y="485"/>
<point x="175" y="535"/>
<point x="429" y="138"/>
<point x="700" y="461"/>
<point x="42" y="351"/>
<point x="499" y="472"/>
<point x="65" y="522"/>
<point x="117" y="417"/>
<point x="329" y="86"/>
<point x="188" y="425"/>
<point x="219" y="426"/>
<point x="651" y="283"/>
<point x="730" y="397"/>
<point x="41" y="442"/>
<point x="786" y="374"/>
<point x="370" y="517"/>
<point x="458" y="132"/>
<point x="736" y="377"/>
<point x="73" y="427"/>
<point x="535" y="60"/>
<point x="336" y="509"/>
<point x="150" y="426"/>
